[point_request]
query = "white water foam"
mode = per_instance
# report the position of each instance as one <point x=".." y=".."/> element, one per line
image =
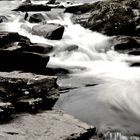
<point x="94" y="57"/>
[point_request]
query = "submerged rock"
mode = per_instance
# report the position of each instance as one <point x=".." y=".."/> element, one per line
<point x="50" y="31"/>
<point x="134" y="52"/>
<point x="49" y="125"/>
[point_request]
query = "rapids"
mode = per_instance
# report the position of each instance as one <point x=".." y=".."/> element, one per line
<point x="103" y="90"/>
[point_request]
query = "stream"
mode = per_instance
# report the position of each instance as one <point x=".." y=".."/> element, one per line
<point x="101" y="88"/>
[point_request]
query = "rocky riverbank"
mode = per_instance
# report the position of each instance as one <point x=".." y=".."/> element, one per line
<point x="28" y="85"/>
<point x="25" y="87"/>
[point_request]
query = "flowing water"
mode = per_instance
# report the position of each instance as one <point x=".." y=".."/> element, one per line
<point x="101" y="88"/>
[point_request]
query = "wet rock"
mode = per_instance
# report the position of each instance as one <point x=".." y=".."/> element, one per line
<point x="23" y="61"/>
<point x="6" y="110"/>
<point x="136" y="64"/>
<point x="34" y="48"/>
<point x="29" y="105"/>
<point x="79" y="9"/>
<point x="7" y="38"/>
<point x="32" y="7"/>
<point x="134" y="52"/>
<point x="51" y="125"/>
<point x="36" y="18"/>
<point x="110" y="17"/>
<point x="27" y="91"/>
<point x="126" y="44"/>
<point x="3" y="19"/>
<point x="50" y="31"/>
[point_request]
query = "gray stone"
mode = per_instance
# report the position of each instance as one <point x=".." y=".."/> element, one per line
<point x="26" y="88"/>
<point x="126" y="44"/>
<point x="50" y="31"/>
<point x="23" y="61"/>
<point x="111" y="17"/>
<point x="49" y="125"/>
<point x="36" y="18"/>
<point x="7" y="38"/>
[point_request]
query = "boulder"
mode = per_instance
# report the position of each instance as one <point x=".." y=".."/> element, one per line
<point x="36" y="18"/>
<point x="7" y="38"/>
<point x="126" y="44"/>
<point x="32" y="7"/>
<point x="50" y="31"/>
<point x="34" y="47"/>
<point x="27" y="91"/>
<point x="23" y="61"/>
<point x="48" y="125"/>
<point x="110" y="17"/>
<point x="6" y="111"/>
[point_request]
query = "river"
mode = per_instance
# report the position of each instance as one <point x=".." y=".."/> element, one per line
<point x="101" y="88"/>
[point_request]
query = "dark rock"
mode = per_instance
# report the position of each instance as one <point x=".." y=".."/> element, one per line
<point x="111" y="17"/>
<point x="28" y="92"/>
<point x="35" y="48"/>
<point x="36" y="18"/>
<point x="134" y="52"/>
<point x="32" y="7"/>
<point x="50" y="31"/>
<point x="6" y="110"/>
<point x="29" y="105"/>
<point x="47" y="126"/>
<point x="126" y="44"/>
<point x="136" y="64"/>
<point x="51" y="2"/>
<point x="7" y="38"/>
<point x="26" y="16"/>
<point x="3" y="19"/>
<point x="135" y="4"/>
<point x="23" y="61"/>
<point x="40" y="48"/>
